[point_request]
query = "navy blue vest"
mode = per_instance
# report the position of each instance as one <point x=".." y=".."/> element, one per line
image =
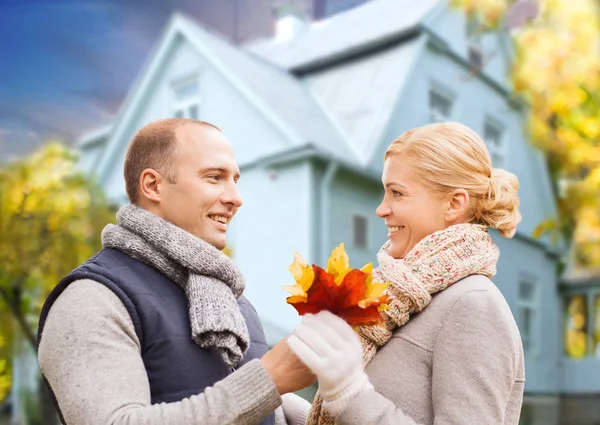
<point x="176" y="366"/>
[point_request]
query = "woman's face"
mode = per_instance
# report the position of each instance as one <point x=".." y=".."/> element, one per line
<point x="410" y="209"/>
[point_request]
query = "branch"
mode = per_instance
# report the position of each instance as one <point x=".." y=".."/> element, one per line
<point x="18" y="315"/>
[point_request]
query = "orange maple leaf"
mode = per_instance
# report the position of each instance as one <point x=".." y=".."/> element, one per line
<point x="346" y="292"/>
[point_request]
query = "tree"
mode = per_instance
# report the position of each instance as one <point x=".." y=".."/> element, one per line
<point x="557" y="71"/>
<point x="51" y="217"/>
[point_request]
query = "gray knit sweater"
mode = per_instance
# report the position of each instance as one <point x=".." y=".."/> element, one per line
<point x="94" y="366"/>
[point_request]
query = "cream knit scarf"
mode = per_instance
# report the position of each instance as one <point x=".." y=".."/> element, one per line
<point x="435" y="263"/>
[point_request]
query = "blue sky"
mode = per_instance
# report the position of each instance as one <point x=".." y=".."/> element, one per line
<point x="66" y="65"/>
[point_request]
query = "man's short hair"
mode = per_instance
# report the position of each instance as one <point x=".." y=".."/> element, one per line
<point x="154" y="146"/>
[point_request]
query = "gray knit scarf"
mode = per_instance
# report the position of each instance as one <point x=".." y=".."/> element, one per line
<point x="210" y="280"/>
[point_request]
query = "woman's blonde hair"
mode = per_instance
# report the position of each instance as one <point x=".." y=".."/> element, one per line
<point x="449" y="156"/>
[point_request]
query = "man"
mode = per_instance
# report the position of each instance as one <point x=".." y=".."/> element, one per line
<point x="154" y="329"/>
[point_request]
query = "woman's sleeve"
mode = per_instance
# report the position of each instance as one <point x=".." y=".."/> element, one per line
<point x="475" y="361"/>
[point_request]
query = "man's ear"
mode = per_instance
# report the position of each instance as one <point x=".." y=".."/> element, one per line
<point x="150" y="182"/>
<point x="457" y="206"/>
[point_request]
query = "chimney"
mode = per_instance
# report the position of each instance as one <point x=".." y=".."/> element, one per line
<point x="290" y="19"/>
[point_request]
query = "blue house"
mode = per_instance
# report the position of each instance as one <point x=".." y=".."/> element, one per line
<point x="310" y="113"/>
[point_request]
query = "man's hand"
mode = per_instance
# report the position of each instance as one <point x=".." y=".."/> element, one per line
<point x="287" y="371"/>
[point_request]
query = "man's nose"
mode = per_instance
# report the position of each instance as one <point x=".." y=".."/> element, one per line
<point x="232" y="196"/>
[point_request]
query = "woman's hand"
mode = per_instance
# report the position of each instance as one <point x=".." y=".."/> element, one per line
<point x="332" y="350"/>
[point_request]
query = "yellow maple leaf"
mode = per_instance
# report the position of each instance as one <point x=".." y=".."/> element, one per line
<point x="304" y="276"/>
<point x="338" y="264"/>
<point x="349" y="293"/>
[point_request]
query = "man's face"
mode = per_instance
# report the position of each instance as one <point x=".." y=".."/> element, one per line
<point x="205" y="196"/>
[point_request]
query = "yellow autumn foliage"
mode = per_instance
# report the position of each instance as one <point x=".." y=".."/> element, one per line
<point x="51" y="217"/>
<point x="557" y="71"/>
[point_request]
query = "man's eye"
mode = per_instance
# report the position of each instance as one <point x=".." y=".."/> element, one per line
<point x="215" y="177"/>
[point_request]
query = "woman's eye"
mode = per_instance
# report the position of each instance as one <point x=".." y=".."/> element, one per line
<point x="395" y="193"/>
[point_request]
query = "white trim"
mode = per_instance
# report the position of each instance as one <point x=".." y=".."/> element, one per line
<point x="92" y="136"/>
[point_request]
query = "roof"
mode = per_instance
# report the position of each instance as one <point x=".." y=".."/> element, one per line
<point x="340" y="111"/>
<point x="354" y="31"/>
<point x="361" y="95"/>
<point x="94" y="135"/>
<point x="284" y="93"/>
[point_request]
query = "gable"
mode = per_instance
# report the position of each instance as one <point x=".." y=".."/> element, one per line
<point x="263" y="107"/>
<point x="359" y="95"/>
<point x="220" y="102"/>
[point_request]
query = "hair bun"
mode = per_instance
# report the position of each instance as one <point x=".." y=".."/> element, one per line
<point x="500" y="208"/>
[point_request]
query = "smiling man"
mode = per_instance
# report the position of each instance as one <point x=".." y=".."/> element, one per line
<point x="154" y="328"/>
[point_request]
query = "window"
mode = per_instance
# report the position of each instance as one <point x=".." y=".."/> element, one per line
<point x="474" y="46"/>
<point x="186" y="97"/>
<point x="359" y="229"/>
<point x="440" y="106"/>
<point x="494" y="139"/>
<point x="597" y="326"/>
<point x="576" y="326"/>
<point x="526" y="313"/>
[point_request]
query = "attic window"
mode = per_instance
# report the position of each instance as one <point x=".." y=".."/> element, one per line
<point x="475" y="58"/>
<point x="186" y="99"/>
<point x="474" y="45"/>
<point x="440" y="106"/>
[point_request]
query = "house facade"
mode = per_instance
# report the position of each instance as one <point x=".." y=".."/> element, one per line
<point x="310" y="112"/>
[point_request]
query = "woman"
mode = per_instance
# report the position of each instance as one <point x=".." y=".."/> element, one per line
<point x="450" y="351"/>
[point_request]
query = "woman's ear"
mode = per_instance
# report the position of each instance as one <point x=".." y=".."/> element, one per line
<point x="457" y="207"/>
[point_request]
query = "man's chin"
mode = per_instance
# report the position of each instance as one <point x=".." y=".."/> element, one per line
<point x="220" y="244"/>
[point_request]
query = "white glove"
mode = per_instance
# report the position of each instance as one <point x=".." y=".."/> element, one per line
<point x="332" y="350"/>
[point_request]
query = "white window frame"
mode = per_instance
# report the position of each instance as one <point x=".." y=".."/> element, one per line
<point x="183" y="107"/>
<point x="497" y="151"/>
<point x="533" y="305"/>
<point x="354" y="231"/>
<point x="437" y="116"/>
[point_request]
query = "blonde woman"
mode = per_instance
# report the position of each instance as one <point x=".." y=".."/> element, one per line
<point x="450" y="352"/>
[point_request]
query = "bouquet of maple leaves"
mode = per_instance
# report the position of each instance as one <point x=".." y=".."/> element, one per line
<point x="346" y="292"/>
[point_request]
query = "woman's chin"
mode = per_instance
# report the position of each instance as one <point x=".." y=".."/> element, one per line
<point x="396" y="251"/>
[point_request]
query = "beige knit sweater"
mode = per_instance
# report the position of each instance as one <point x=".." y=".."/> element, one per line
<point x="90" y="354"/>
<point x="459" y="362"/>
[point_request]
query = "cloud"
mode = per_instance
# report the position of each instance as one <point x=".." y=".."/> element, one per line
<point x="70" y="64"/>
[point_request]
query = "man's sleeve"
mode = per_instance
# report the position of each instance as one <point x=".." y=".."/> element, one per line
<point x="90" y="355"/>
